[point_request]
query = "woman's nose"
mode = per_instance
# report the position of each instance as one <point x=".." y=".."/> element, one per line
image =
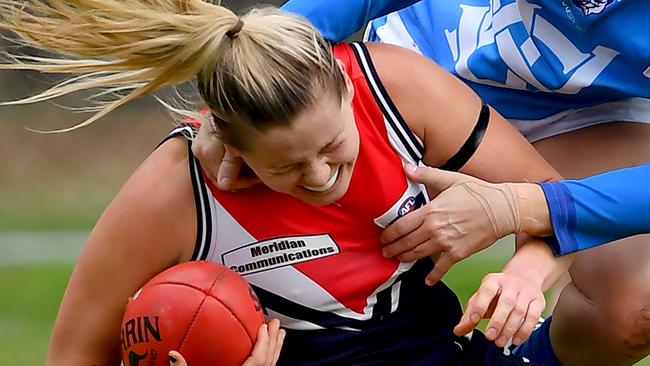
<point x="317" y="174"/>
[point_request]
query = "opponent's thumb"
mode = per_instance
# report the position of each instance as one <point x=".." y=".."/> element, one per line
<point x="436" y="180"/>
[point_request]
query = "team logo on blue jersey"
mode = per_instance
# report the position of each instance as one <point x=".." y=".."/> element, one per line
<point x="524" y="39"/>
<point x="592" y="6"/>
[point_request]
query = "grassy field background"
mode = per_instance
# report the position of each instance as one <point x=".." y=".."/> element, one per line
<point x="31" y="294"/>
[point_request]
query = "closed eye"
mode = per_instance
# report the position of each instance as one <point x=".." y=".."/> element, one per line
<point x="282" y="169"/>
<point x="332" y="146"/>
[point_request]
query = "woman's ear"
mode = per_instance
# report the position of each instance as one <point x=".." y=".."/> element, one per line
<point x="349" y="88"/>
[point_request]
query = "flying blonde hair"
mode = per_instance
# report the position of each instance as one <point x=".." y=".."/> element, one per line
<point x="274" y="66"/>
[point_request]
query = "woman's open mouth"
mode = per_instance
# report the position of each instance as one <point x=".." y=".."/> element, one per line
<point x="328" y="185"/>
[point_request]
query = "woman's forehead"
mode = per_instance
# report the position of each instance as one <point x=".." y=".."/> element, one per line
<point x="310" y="132"/>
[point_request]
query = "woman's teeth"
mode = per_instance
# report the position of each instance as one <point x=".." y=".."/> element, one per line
<point x="329" y="184"/>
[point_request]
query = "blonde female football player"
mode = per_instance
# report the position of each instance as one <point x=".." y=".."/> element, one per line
<point x="572" y="76"/>
<point x="327" y="131"/>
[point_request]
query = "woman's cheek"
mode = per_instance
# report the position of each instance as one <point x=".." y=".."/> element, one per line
<point x="283" y="184"/>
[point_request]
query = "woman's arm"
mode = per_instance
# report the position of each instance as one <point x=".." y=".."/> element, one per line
<point x="443" y="112"/>
<point x="149" y="226"/>
<point x="513" y="299"/>
<point x="500" y="154"/>
<point x="572" y="215"/>
<point x="596" y="210"/>
<point x="339" y="19"/>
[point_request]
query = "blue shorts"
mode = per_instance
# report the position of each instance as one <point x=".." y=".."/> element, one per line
<point x="418" y="333"/>
<point x="476" y="351"/>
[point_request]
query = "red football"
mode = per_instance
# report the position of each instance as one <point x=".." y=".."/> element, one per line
<point x="203" y="310"/>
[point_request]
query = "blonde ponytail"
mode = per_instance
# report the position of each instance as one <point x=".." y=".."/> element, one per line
<point x="267" y="71"/>
<point x="139" y="46"/>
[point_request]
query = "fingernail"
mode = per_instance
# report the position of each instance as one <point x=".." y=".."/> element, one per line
<point x="172" y="359"/>
<point x="516" y="341"/>
<point x="491" y="334"/>
<point x="224" y="182"/>
<point x="475" y="318"/>
<point x="410" y="167"/>
<point x="501" y="342"/>
<point x="428" y="282"/>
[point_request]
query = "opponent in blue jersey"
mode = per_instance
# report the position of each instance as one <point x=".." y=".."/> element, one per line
<point x="531" y="60"/>
<point x="566" y="73"/>
<point x="556" y="69"/>
<point x="573" y="215"/>
<point x="319" y="126"/>
<point x="593" y="211"/>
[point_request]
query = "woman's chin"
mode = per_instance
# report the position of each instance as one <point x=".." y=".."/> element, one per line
<point x="335" y="193"/>
<point x="317" y="199"/>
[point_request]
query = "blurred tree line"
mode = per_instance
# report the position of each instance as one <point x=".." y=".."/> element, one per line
<point x="14" y="84"/>
<point x="55" y="182"/>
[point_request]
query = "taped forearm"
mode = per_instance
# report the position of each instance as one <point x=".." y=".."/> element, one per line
<point x="512" y="207"/>
<point x="533" y="210"/>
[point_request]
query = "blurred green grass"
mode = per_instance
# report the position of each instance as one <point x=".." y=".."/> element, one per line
<point x="31" y="295"/>
<point x="74" y="207"/>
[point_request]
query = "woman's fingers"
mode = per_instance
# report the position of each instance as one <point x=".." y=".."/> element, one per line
<point x="268" y="345"/>
<point x="535" y="309"/>
<point x="176" y="359"/>
<point x="478" y="305"/>
<point x="513" y="305"/>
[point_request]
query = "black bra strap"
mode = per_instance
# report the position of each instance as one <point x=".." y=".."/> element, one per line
<point x="472" y="143"/>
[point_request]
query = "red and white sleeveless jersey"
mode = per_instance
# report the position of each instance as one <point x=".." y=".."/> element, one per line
<point x="321" y="267"/>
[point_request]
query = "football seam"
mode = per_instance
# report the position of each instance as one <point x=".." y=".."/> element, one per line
<point x="200" y="307"/>
<point x="187" y="332"/>
<point x="232" y="313"/>
<point x="241" y="324"/>
<point x="180" y="284"/>
<point x="218" y="277"/>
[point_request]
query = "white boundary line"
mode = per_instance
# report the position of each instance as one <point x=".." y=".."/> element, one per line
<point x="22" y="248"/>
<point x="25" y="248"/>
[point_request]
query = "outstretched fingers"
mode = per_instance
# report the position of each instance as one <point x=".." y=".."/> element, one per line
<point x="478" y="306"/>
<point x="535" y="309"/>
<point x="513" y="304"/>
